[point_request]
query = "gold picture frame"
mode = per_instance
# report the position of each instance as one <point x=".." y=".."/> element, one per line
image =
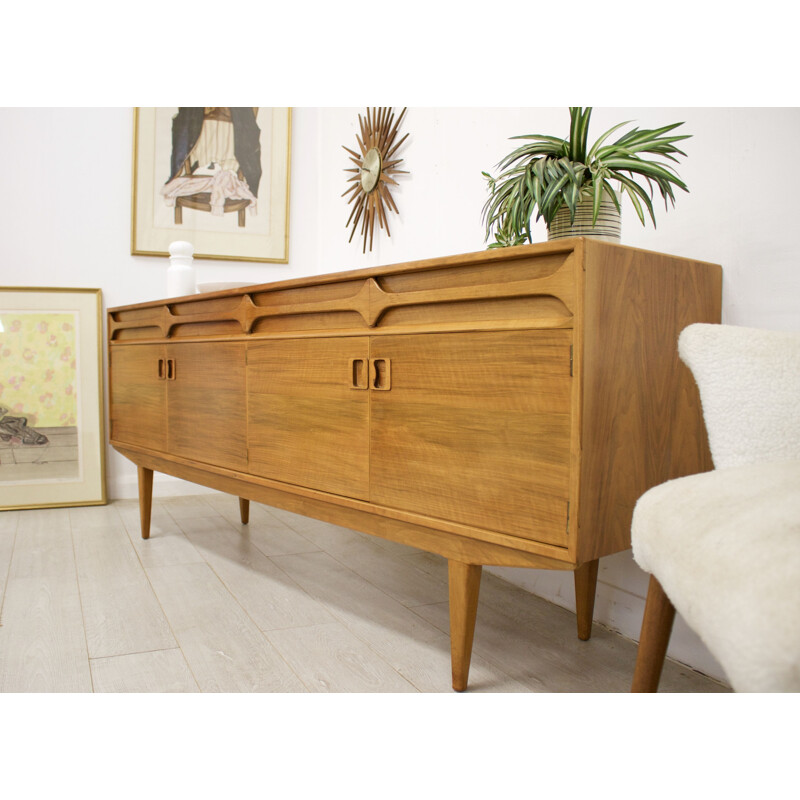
<point x="52" y="433"/>
<point x="217" y="177"/>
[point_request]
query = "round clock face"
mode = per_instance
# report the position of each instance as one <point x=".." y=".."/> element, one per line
<point x="371" y="170"/>
<point x="373" y="174"/>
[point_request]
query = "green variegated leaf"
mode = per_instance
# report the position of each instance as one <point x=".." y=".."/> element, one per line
<point x="637" y="206"/>
<point x="635" y="192"/>
<point x="647" y="168"/>
<point x="571" y="198"/>
<point x="597" y="196"/>
<point x="552" y="191"/>
<point x="592" y="154"/>
<point x="612" y="194"/>
<point x="655" y="133"/>
<point x="538" y="137"/>
<point x="578" y="133"/>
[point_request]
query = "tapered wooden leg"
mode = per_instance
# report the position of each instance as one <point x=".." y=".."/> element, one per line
<point x="585" y="590"/>
<point x="464" y="584"/>
<point x="659" y="615"/>
<point x="244" y="510"/>
<point x="145" y="499"/>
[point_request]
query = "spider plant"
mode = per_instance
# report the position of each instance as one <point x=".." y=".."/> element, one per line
<point x="549" y="173"/>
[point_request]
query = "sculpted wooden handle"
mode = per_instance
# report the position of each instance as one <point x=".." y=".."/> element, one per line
<point x="358" y="374"/>
<point x="381" y="374"/>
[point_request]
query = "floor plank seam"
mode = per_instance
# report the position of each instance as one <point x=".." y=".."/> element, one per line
<point x="342" y="620"/>
<point x="8" y="568"/>
<point x="80" y="600"/>
<point x="160" y="604"/>
<point x="135" y="653"/>
<point x="235" y="600"/>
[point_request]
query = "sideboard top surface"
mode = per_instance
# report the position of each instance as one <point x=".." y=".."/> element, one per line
<point x="493" y="256"/>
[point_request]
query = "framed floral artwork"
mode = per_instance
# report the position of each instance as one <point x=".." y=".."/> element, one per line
<point x="52" y="439"/>
<point x="217" y="177"/>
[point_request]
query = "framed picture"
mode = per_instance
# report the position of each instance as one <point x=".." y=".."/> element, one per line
<point x="215" y="177"/>
<point x="52" y="439"/>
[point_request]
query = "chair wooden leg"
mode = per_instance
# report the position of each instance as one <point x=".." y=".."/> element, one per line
<point x="659" y="614"/>
<point x="464" y="585"/>
<point x="145" y="499"/>
<point x="585" y="590"/>
<point x="244" y="510"/>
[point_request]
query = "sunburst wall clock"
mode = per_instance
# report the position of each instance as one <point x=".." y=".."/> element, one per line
<point x="375" y="166"/>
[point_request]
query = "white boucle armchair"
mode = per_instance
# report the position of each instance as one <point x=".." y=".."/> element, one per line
<point x="723" y="547"/>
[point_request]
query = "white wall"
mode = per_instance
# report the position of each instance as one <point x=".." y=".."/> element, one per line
<point x="65" y="216"/>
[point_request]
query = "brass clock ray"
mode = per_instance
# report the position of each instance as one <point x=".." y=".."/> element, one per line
<point x="375" y="166"/>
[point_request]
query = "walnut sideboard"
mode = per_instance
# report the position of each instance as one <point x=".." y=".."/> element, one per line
<point x="506" y="407"/>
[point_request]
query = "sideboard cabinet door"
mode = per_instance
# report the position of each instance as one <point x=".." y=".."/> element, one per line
<point x="138" y="395"/>
<point x="475" y="428"/>
<point x="207" y="402"/>
<point x="308" y="413"/>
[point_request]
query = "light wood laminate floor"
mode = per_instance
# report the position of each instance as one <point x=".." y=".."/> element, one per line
<point x="284" y="604"/>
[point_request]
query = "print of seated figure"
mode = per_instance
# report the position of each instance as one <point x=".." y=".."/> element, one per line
<point x="215" y="163"/>
<point x="15" y="430"/>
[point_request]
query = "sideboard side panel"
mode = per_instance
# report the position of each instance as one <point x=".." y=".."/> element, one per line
<point x="642" y="419"/>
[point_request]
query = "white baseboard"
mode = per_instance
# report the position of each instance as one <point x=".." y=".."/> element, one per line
<point x="617" y="609"/>
<point x="126" y="487"/>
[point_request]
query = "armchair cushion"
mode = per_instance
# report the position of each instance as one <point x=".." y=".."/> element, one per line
<point x="749" y="382"/>
<point x="725" y="546"/>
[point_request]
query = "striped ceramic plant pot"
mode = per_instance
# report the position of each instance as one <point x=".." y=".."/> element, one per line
<point x="607" y="227"/>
